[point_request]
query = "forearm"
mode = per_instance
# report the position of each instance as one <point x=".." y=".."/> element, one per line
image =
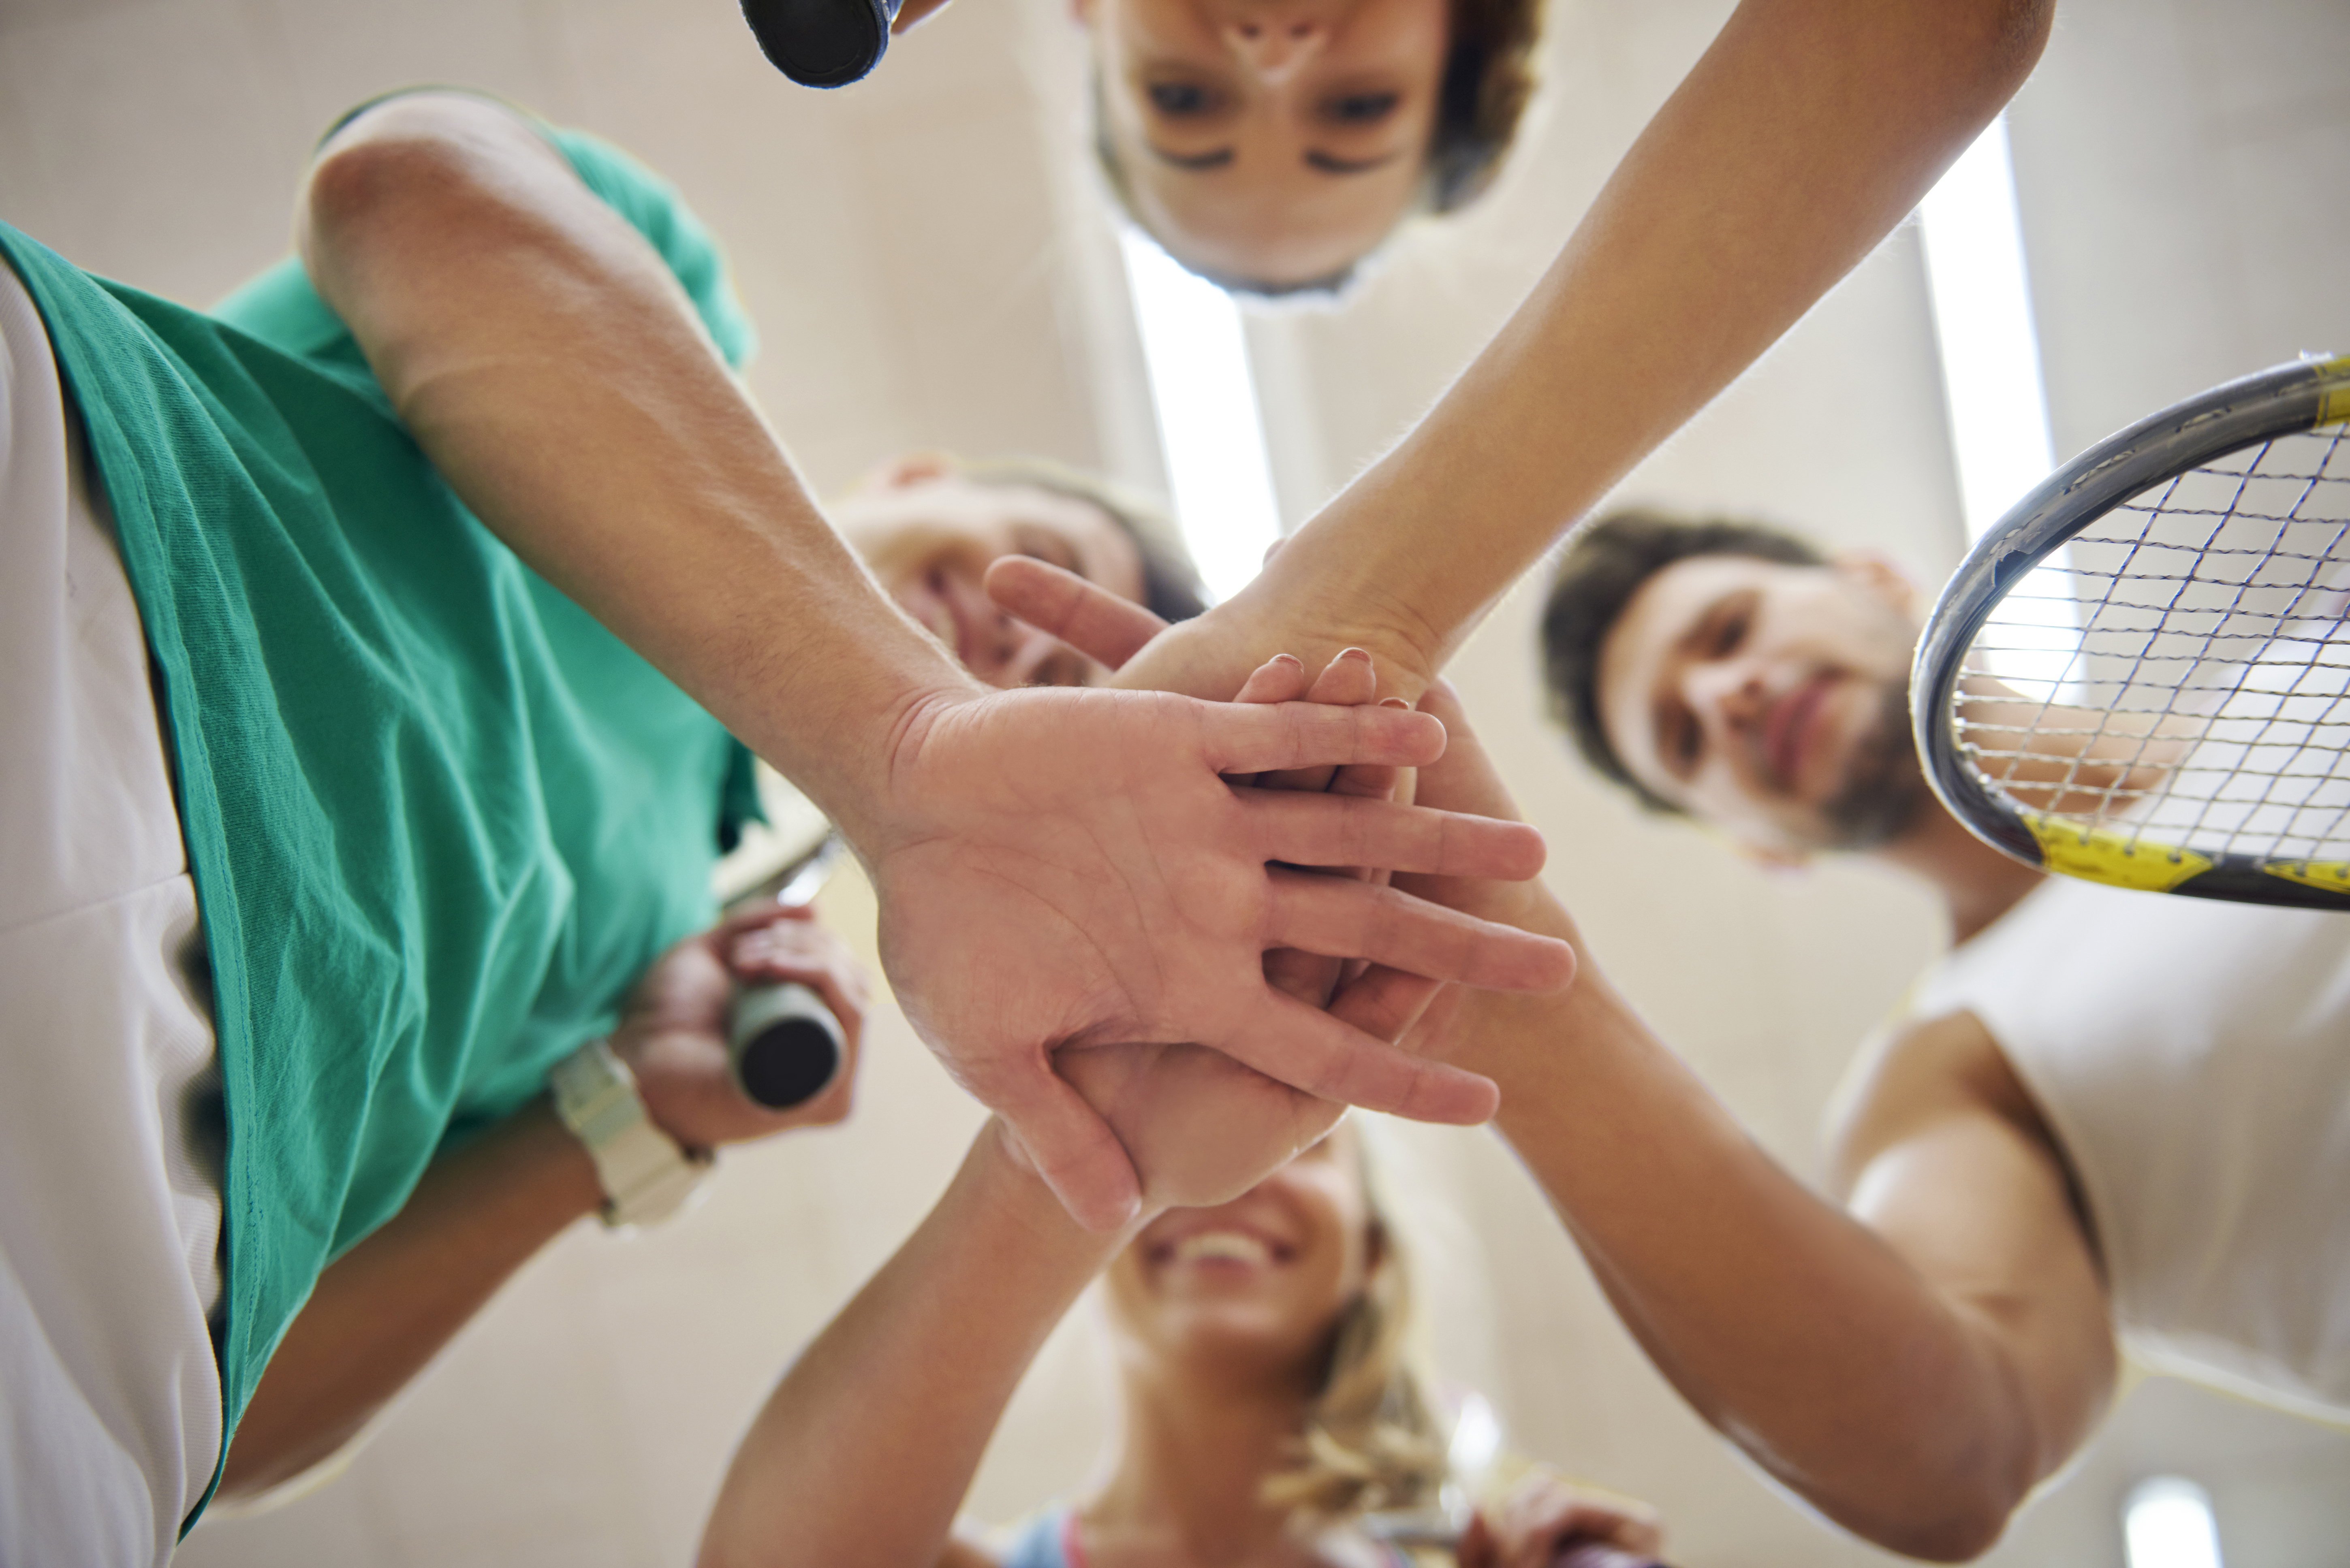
<point x="865" y="1449"/>
<point x="554" y="372"/>
<point x="1803" y="135"/>
<point x="1792" y="1327"/>
<point x="384" y="1309"/>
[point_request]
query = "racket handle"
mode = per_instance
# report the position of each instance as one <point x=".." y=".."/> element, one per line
<point x="1599" y="1554"/>
<point x="822" y="42"/>
<point x="784" y="1043"/>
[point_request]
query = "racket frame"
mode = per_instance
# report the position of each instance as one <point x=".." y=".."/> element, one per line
<point x="2283" y="400"/>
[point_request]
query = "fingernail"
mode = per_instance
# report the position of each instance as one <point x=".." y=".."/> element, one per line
<point x="1393" y="702"/>
<point x="1289" y="658"/>
<point x="1355" y="653"/>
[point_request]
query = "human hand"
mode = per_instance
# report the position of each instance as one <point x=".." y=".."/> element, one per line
<point x="1211" y="654"/>
<point x="1542" y="1516"/>
<point x="1381" y="1002"/>
<point x="1069" y="868"/>
<point x="673" y="1029"/>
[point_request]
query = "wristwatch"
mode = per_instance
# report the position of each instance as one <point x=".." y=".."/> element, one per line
<point x="645" y="1176"/>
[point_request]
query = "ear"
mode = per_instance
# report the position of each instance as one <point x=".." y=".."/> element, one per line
<point x="1880" y="575"/>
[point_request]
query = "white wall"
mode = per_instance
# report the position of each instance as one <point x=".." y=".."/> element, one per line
<point x="922" y="257"/>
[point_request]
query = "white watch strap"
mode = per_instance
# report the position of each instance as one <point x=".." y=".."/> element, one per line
<point x="645" y="1175"/>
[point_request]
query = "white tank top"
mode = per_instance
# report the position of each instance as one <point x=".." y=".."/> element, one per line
<point x="2193" y="1058"/>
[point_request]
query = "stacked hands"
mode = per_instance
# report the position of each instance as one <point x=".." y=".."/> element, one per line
<point x="1175" y="1017"/>
<point x="1165" y="982"/>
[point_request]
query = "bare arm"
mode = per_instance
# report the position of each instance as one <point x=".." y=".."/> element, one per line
<point x="1802" y="136"/>
<point x="556" y="374"/>
<point x="863" y="1452"/>
<point x="1053" y="866"/>
<point x="1912" y="1363"/>
<point x="385" y="1308"/>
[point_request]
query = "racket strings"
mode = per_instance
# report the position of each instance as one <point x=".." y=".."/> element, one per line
<point x="2179" y="672"/>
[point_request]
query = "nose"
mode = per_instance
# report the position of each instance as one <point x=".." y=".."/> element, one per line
<point x="1272" y="41"/>
<point x="1727" y="695"/>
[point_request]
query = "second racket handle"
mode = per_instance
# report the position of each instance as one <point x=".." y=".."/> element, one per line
<point x="784" y="1043"/>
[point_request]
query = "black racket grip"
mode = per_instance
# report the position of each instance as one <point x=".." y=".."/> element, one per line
<point x="784" y="1043"/>
<point x="1599" y="1554"/>
<point x="822" y="42"/>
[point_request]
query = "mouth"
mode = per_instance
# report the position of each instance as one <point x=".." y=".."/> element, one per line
<point x="1221" y="1249"/>
<point x="1790" y="730"/>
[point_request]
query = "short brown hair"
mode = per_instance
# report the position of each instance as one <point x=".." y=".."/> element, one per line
<point x="1605" y="565"/>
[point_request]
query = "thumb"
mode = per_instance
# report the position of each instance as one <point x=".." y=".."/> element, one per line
<point x="1073" y="1150"/>
<point x="1090" y="618"/>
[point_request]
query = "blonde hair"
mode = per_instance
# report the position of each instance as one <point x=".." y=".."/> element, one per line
<point x="1372" y="1439"/>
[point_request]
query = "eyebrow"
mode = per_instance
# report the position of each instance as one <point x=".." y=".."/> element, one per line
<point x="1192" y="161"/>
<point x="1329" y="163"/>
<point x="1222" y="157"/>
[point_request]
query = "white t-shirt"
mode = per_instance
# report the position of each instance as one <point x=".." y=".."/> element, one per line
<point x="109" y="1202"/>
<point x="2193" y="1058"/>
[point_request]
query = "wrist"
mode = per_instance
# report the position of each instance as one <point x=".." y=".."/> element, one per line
<point x="1003" y="1181"/>
<point x="856" y="787"/>
<point x="643" y="1174"/>
<point x="1306" y="602"/>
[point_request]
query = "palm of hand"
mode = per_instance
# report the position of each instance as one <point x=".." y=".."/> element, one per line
<point x="1202" y="1127"/>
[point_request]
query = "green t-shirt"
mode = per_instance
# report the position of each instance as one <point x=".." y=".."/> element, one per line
<point x="438" y="818"/>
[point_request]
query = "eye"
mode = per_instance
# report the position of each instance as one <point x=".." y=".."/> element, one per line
<point x="1730" y="633"/>
<point x="1050" y="549"/>
<point x="1178" y="99"/>
<point x="1361" y="108"/>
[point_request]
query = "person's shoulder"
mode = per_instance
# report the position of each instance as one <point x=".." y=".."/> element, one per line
<point x="1917" y="1077"/>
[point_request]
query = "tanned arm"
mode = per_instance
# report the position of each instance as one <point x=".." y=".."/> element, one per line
<point x="1053" y="867"/>
<point x="1912" y="1353"/>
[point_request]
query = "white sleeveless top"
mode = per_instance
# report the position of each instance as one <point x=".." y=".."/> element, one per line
<point x="2193" y="1058"/>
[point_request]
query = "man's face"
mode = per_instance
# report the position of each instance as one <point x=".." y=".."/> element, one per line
<point x="1770" y="701"/>
<point x="929" y="534"/>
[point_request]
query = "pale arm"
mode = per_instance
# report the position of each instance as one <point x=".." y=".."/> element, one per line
<point x="1914" y="1362"/>
<point x="1803" y="135"/>
<point x="863" y="1452"/>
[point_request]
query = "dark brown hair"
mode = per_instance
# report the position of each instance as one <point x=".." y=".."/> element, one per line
<point x="1605" y="565"/>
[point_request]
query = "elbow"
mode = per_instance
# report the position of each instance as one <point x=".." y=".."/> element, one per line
<point x="2005" y="41"/>
<point x="1942" y="1513"/>
<point x="403" y="166"/>
<point x="1953" y="1535"/>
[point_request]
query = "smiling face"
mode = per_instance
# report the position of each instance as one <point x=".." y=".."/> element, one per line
<point x="1770" y="700"/>
<point x="929" y="532"/>
<point x="1274" y="141"/>
<point x="1250" y="1290"/>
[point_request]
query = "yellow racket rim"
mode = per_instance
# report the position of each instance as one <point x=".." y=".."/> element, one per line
<point x="2116" y="858"/>
<point x="2334" y="875"/>
<point x="2334" y="404"/>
